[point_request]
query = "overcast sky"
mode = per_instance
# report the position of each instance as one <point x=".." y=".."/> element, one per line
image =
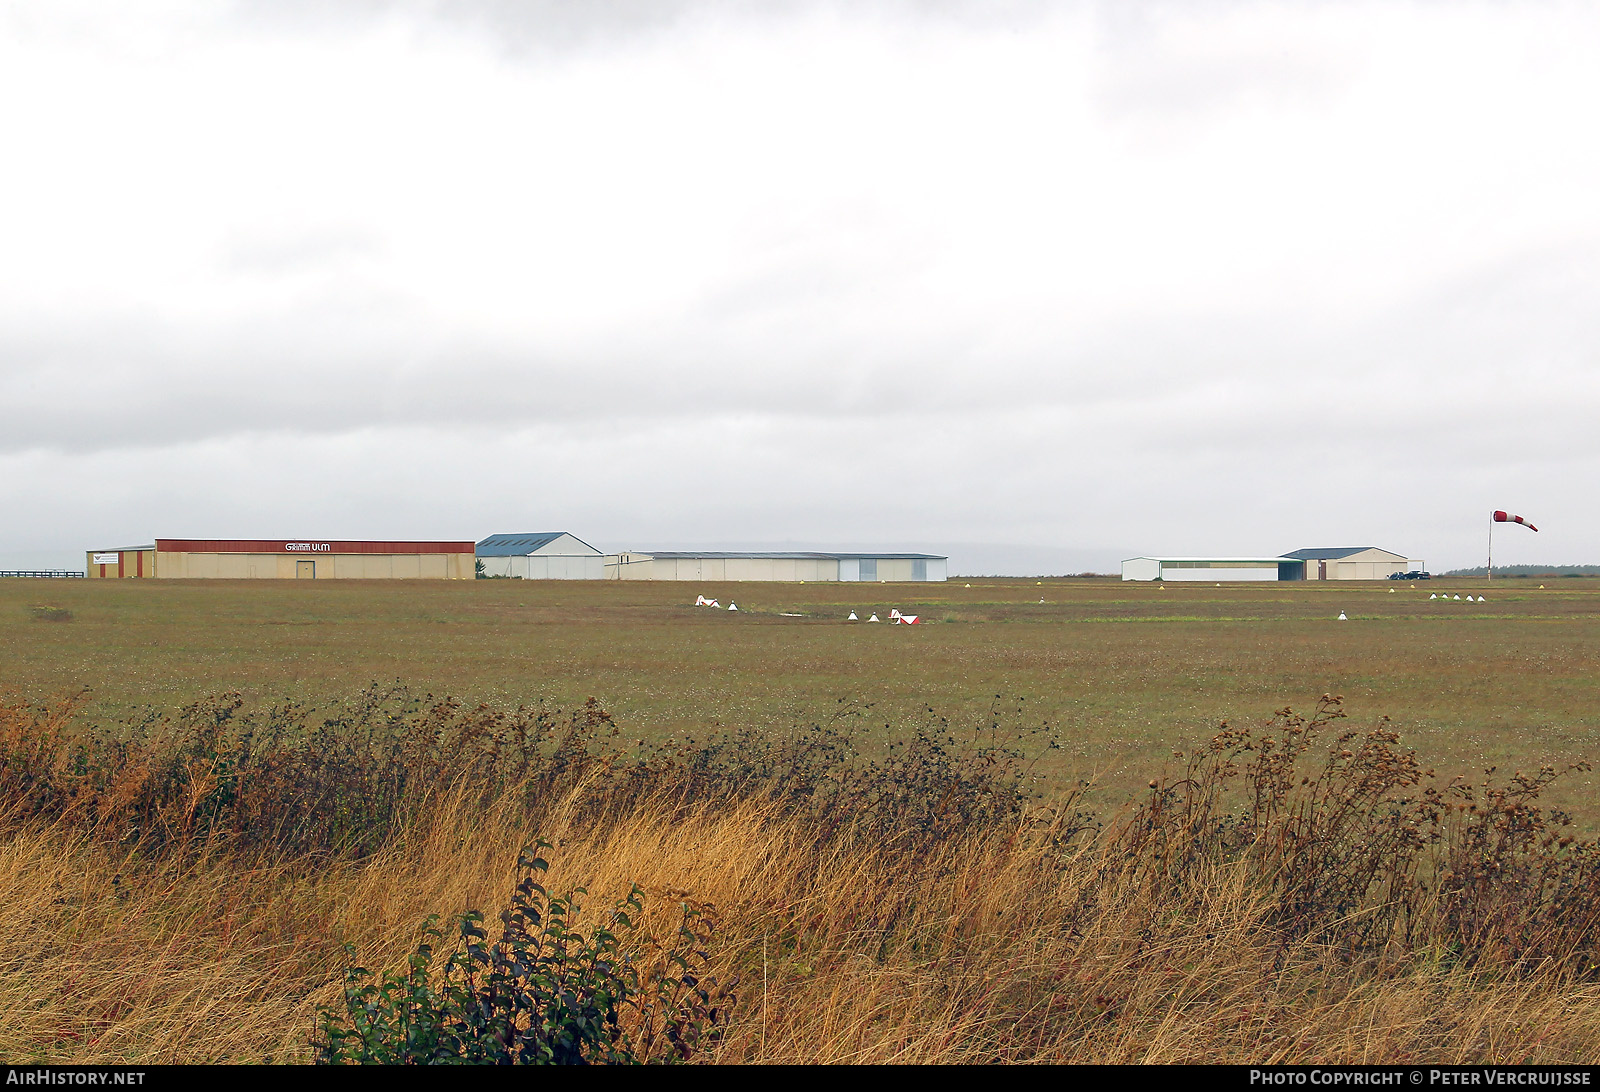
<point x="1088" y="279"/>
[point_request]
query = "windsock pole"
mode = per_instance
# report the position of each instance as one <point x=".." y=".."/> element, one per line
<point x="1490" y="567"/>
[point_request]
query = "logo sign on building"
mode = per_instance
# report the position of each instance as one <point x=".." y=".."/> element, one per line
<point x="107" y="559"/>
<point x="308" y="547"/>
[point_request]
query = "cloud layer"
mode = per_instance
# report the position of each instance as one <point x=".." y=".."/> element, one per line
<point x="1121" y="277"/>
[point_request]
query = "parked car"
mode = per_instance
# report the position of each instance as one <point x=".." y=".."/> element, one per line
<point x="1414" y="574"/>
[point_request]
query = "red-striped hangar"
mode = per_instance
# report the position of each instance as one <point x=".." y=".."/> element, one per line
<point x="284" y="559"/>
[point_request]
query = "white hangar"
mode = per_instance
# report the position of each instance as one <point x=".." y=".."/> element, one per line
<point x="1352" y="563"/>
<point x="1210" y="569"/>
<point x="1318" y="563"/>
<point x="541" y="555"/>
<point x="781" y="565"/>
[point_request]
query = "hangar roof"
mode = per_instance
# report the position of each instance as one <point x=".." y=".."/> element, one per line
<point x="787" y="555"/>
<point x="1329" y="553"/>
<point x="1214" y="557"/>
<point x="516" y="545"/>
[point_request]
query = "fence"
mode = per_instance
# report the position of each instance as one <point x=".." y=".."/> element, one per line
<point x="48" y="574"/>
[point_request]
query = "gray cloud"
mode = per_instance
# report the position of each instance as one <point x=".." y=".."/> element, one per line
<point x="1095" y="277"/>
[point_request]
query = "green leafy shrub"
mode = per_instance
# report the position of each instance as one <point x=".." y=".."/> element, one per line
<point x="547" y="992"/>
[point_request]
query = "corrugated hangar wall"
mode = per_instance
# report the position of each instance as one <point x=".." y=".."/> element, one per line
<point x="819" y="567"/>
<point x="120" y="562"/>
<point x="291" y="559"/>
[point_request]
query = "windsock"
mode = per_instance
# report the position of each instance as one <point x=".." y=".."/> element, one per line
<point x="1506" y="517"/>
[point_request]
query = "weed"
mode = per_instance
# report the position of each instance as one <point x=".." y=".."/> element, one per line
<point x="546" y="992"/>
<point x="1355" y="843"/>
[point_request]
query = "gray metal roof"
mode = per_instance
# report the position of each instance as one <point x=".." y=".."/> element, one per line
<point x="1212" y="557"/>
<point x="787" y="555"/>
<point x="1329" y="553"/>
<point x="520" y="544"/>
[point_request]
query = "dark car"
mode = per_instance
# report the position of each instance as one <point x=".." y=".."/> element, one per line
<point x="1415" y="574"/>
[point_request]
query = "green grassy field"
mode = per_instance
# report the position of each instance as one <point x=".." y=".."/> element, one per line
<point x="1123" y="672"/>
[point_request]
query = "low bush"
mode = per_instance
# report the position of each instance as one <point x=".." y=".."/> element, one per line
<point x="347" y="778"/>
<point x="1356" y="842"/>
<point x="546" y="992"/>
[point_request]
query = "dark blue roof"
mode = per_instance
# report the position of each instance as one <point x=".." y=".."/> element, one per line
<point x="518" y="545"/>
<point x="1329" y="553"/>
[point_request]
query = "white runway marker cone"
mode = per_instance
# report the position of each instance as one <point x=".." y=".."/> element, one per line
<point x="1435" y="595"/>
<point x="733" y="606"/>
<point x="852" y="617"/>
<point x="1481" y="599"/>
<point x="1457" y="596"/>
<point x="1342" y="618"/>
<point x="874" y="618"/>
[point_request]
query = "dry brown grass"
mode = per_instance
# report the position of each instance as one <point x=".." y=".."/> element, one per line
<point x="983" y="953"/>
<point x="1295" y="892"/>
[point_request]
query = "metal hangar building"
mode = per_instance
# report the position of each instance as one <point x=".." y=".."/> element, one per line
<point x="1352" y="563"/>
<point x="284" y="559"/>
<point x="1317" y="563"/>
<point x="779" y="565"/>
<point x="1211" y="569"/>
<point x="541" y="555"/>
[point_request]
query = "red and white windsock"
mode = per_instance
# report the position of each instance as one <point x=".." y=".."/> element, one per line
<point x="1506" y="517"/>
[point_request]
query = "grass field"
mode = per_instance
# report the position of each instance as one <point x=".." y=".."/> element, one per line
<point x="184" y="895"/>
<point x="1124" y="672"/>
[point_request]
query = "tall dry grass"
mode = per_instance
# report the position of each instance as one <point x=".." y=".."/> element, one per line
<point x="1181" y="932"/>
